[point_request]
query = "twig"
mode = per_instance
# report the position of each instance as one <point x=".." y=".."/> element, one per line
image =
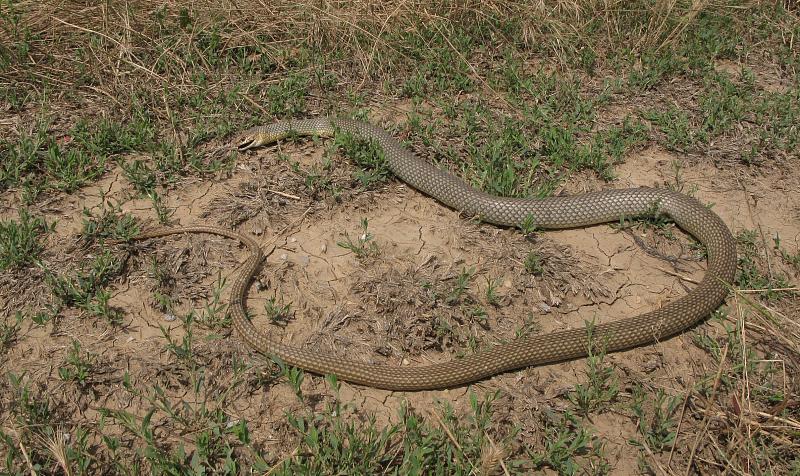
<point x="678" y="429"/>
<point x="759" y="427"/>
<point x="763" y="290"/>
<point x="678" y="275"/>
<point x="25" y="455"/>
<point x="279" y="463"/>
<point x="653" y="457"/>
<point x="706" y="421"/>
<point x="283" y="194"/>
<point x="757" y="224"/>
<point x="452" y="438"/>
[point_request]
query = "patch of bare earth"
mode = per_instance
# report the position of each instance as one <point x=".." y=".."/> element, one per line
<point x="398" y="305"/>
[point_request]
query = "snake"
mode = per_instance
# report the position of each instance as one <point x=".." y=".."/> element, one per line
<point x="554" y="212"/>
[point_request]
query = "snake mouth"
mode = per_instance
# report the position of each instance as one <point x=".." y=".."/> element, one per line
<point x="247" y="143"/>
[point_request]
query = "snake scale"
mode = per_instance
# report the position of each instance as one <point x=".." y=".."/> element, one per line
<point x="547" y="213"/>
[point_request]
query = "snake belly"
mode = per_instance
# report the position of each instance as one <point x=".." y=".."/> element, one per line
<point x="546" y="213"/>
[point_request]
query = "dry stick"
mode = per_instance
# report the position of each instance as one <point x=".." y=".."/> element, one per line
<point x="263" y="111"/>
<point x="653" y="457"/>
<point x="761" y="428"/>
<point x="766" y="250"/>
<point x="728" y="463"/>
<point x="761" y="311"/>
<point x="762" y="290"/>
<point x="22" y="449"/>
<point x="777" y="438"/>
<point x="283" y="194"/>
<point x="678" y="429"/>
<point x="757" y="224"/>
<point x="705" y="415"/>
<point x="452" y="438"/>
<point x="655" y="31"/>
<point x="174" y="130"/>
<point x="27" y="458"/>
<point x="745" y="396"/>
<point x="678" y="275"/>
<point x="283" y="460"/>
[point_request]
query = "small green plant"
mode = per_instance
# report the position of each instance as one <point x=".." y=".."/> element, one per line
<point x="363" y="246"/>
<point x="319" y="181"/>
<point x="107" y="137"/>
<point x="78" y="365"/>
<point x="491" y="291"/>
<point x="602" y="386"/>
<point x="724" y="103"/>
<point x="461" y="286"/>
<point x="533" y="264"/>
<point x="182" y="350"/>
<point x="675" y="124"/>
<point x="215" y="313"/>
<point x="528" y="225"/>
<point x="140" y="175"/>
<point x="678" y="183"/>
<point x="109" y="223"/>
<point x="288" y="97"/>
<point x="566" y="444"/>
<point x="278" y="313"/>
<point x="657" y="426"/>
<point x="530" y="326"/>
<point x="748" y="273"/>
<point x="19" y="240"/>
<point x="39" y="163"/>
<point x="792" y="259"/>
<point x="86" y="290"/>
<point x="334" y="441"/>
<point x="9" y="329"/>
<point x="370" y="157"/>
<point x="478" y="313"/>
<point x="294" y="375"/>
<point x="163" y="213"/>
<point x="740" y="357"/>
<point x="18" y="160"/>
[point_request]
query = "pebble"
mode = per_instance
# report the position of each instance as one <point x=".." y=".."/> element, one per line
<point x="324" y="248"/>
<point x="284" y="257"/>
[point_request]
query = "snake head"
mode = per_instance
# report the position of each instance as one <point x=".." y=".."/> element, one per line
<point x="253" y="138"/>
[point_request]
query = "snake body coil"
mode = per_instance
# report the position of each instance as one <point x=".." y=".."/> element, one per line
<point x="552" y="213"/>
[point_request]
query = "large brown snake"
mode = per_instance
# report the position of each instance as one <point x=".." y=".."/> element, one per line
<point x="552" y="212"/>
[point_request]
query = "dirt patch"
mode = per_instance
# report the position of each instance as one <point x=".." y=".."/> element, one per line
<point x="435" y="286"/>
